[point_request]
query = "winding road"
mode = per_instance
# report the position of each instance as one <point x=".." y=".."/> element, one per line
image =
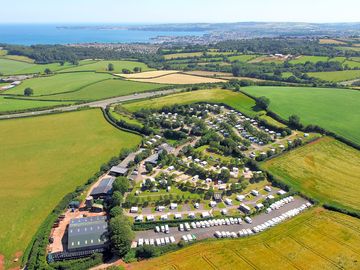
<point x="94" y="104"/>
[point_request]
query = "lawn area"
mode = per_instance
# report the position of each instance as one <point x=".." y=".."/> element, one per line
<point x="336" y="76"/>
<point x="58" y="83"/>
<point x="317" y="239"/>
<point x="309" y="58"/>
<point x="242" y="57"/>
<point x="236" y="100"/>
<point x="102" y="66"/>
<point x="10" y="104"/>
<point x="338" y="110"/>
<point x="38" y="168"/>
<point x="326" y="170"/>
<point x="106" y="89"/>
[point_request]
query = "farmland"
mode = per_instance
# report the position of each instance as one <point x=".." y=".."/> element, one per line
<point x="148" y="74"/>
<point x="336" y="76"/>
<point x="337" y="111"/>
<point x="326" y="170"/>
<point x="317" y="239"/>
<point x="61" y="152"/>
<point x="105" y="89"/>
<point x="58" y="83"/>
<point x="242" y="57"/>
<point x="303" y="59"/>
<point x="102" y="66"/>
<point x="180" y="79"/>
<point x="183" y="55"/>
<point x="236" y="100"/>
<point x="9" y="104"/>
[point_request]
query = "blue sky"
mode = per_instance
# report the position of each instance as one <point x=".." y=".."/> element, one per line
<point x="161" y="11"/>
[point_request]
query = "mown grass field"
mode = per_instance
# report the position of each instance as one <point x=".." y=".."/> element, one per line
<point x="238" y="101"/>
<point x="183" y="55"/>
<point x="309" y="58"/>
<point x="336" y="76"/>
<point x="317" y="239"/>
<point x="242" y="57"/>
<point x="338" y="110"/>
<point x="106" y="89"/>
<point x="102" y="66"/>
<point x="7" y="104"/>
<point x="12" y="67"/>
<point x="326" y="170"/>
<point x="44" y="158"/>
<point x="58" y="83"/>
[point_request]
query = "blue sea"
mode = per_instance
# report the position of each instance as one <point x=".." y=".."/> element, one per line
<point x="30" y="34"/>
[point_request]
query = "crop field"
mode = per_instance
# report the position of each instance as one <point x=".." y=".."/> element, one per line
<point x="238" y="101"/>
<point x="10" y="104"/>
<point x="58" y="83"/>
<point x="303" y="59"/>
<point x="317" y="239"/>
<point x="38" y="168"/>
<point x="331" y="41"/>
<point x="102" y="66"/>
<point x="105" y="89"/>
<point x="266" y="59"/>
<point x="148" y="74"/>
<point x="180" y="79"/>
<point x="338" y="110"/>
<point x="336" y="76"/>
<point x="326" y="170"/>
<point x="242" y="57"/>
<point x="183" y="55"/>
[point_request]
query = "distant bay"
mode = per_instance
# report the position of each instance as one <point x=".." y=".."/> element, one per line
<point x="30" y="34"/>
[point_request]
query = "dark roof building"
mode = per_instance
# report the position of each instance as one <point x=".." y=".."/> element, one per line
<point x="153" y="159"/>
<point x="90" y="233"/>
<point x="118" y="171"/>
<point x="104" y="188"/>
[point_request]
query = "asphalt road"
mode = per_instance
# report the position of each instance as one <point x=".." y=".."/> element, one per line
<point x="94" y="104"/>
<point x="203" y="233"/>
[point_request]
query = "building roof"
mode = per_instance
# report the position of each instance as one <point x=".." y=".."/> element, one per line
<point x="104" y="187"/>
<point x="119" y="169"/>
<point x="87" y="232"/>
<point x="168" y="148"/>
<point x="152" y="159"/>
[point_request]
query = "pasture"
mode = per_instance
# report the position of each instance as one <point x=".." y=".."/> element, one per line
<point x="12" y="67"/>
<point x="59" y="83"/>
<point x="10" y="104"/>
<point x="242" y="57"/>
<point x="105" y="89"/>
<point x="102" y="66"/>
<point x="306" y="58"/>
<point x="44" y="158"/>
<point x="331" y="41"/>
<point x="183" y="55"/>
<point x="180" y="78"/>
<point x="338" y="110"/>
<point x="336" y="76"/>
<point x="236" y="100"/>
<point x="317" y="239"/>
<point x="326" y="170"/>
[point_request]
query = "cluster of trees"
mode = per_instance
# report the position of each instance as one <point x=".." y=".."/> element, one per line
<point x="121" y="234"/>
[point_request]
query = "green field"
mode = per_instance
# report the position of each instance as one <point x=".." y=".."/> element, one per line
<point x="317" y="239"/>
<point x="336" y="76"/>
<point x="58" y="83"/>
<point x="242" y="57"/>
<point x="352" y="64"/>
<point x="338" y="110"/>
<point x="183" y="55"/>
<point x="38" y="168"/>
<point x="19" y="58"/>
<point x="9" y="67"/>
<point x="102" y="66"/>
<point x="357" y="49"/>
<point x="10" y="104"/>
<point x="106" y="89"/>
<point x="236" y="100"/>
<point x="326" y="170"/>
<point x="303" y="59"/>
